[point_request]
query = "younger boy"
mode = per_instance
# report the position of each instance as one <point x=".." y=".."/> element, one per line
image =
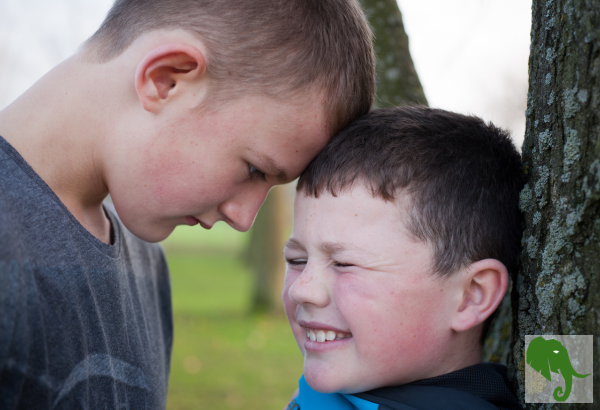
<point x="186" y="112"/>
<point x="405" y="230"/>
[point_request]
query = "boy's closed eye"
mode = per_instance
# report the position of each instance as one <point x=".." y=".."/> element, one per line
<point x="341" y="264"/>
<point x="296" y="262"/>
<point x="255" y="173"/>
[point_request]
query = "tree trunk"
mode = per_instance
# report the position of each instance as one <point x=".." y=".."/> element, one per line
<point x="558" y="289"/>
<point x="397" y="80"/>
<point x="264" y="252"/>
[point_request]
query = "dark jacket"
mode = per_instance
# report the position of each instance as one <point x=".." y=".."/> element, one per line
<point x="478" y="387"/>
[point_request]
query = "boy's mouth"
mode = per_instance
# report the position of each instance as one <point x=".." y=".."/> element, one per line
<point x="320" y="335"/>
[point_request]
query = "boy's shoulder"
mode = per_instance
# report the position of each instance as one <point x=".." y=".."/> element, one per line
<point x="34" y="222"/>
<point x="481" y="386"/>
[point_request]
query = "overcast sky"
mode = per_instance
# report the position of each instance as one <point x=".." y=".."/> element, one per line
<point x="471" y="55"/>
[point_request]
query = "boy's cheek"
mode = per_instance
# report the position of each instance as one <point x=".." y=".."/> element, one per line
<point x="405" y="328"/>
<point x="288" y="303"/>
<point x="288" y="280"/>
<point x="354" y="291"/>
<point x="290" y="310"/>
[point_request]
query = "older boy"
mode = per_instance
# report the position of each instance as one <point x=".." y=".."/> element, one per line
<point x="405" y="229"/>
<point x="187" y="112"/>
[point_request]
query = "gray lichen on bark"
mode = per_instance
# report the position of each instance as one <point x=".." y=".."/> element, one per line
<point x="558" y="288"/>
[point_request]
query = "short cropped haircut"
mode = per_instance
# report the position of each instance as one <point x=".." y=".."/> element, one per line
<point x="277" y="48"/>
<point x="463" y="178"/>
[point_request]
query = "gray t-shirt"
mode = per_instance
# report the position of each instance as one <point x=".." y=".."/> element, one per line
<point x="83" y="324"/>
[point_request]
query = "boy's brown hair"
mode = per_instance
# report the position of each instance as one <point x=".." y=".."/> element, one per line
<point x="278" y="48"/>
<point x="463" y="177"/>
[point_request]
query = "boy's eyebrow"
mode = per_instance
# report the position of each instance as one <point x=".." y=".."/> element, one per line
<point x="328" y="247"/>
<point x="333" y="247"/>
<point x="293" y="245"/>
<point x="271" y="167"/>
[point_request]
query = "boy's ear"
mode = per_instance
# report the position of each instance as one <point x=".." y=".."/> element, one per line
<point x="483" y="286"/>
<point x="165" y="71"/>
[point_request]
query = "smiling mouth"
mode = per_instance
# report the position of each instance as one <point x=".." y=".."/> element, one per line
<point x="321" y="336"/>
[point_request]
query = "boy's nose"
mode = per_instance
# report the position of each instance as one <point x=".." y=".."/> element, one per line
<point x="240" y="210"/>
<point x="310" y="288"/>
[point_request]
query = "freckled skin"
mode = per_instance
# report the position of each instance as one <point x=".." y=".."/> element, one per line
<point x="201" y="169"/>
<point x="387" y="298"/>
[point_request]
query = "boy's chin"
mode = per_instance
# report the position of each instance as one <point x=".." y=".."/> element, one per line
<point x="150" y="233"/>
<point x="329" y="383"/>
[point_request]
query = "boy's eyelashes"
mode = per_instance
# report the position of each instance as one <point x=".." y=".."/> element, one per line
<point x="296" y="262"/>
<point x="255" y="173"/>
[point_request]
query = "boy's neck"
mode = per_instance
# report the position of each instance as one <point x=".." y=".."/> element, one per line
<point x="464" y="350"/>
<point x="458" y="351"/>
<point x="57" y="129"/>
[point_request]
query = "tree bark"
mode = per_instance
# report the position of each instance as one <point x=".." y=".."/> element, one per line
<point x="397" y="80"/>
<point x="558" y="289"/>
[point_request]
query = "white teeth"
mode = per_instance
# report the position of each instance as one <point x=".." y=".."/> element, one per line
<point x="321" y="336"/>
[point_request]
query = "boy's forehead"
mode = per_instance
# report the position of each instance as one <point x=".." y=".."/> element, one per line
<point x="348" y="216"/>
<point x="357" y="197"/>
<point x="358" y="228"/>
<point x="280" y="137"/>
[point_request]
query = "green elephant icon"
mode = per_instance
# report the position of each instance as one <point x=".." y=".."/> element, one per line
<point x="550" y="355"/>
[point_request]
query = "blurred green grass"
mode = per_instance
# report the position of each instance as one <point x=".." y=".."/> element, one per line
<point x="223" y="357"/>
<point x="221" y="239"/>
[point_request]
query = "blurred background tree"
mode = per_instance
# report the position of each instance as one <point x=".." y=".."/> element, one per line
<point x="397" y="79"/>
<point x="264" y="251"/>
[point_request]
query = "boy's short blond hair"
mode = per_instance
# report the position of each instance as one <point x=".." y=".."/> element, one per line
<point x="278" y="48"/>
